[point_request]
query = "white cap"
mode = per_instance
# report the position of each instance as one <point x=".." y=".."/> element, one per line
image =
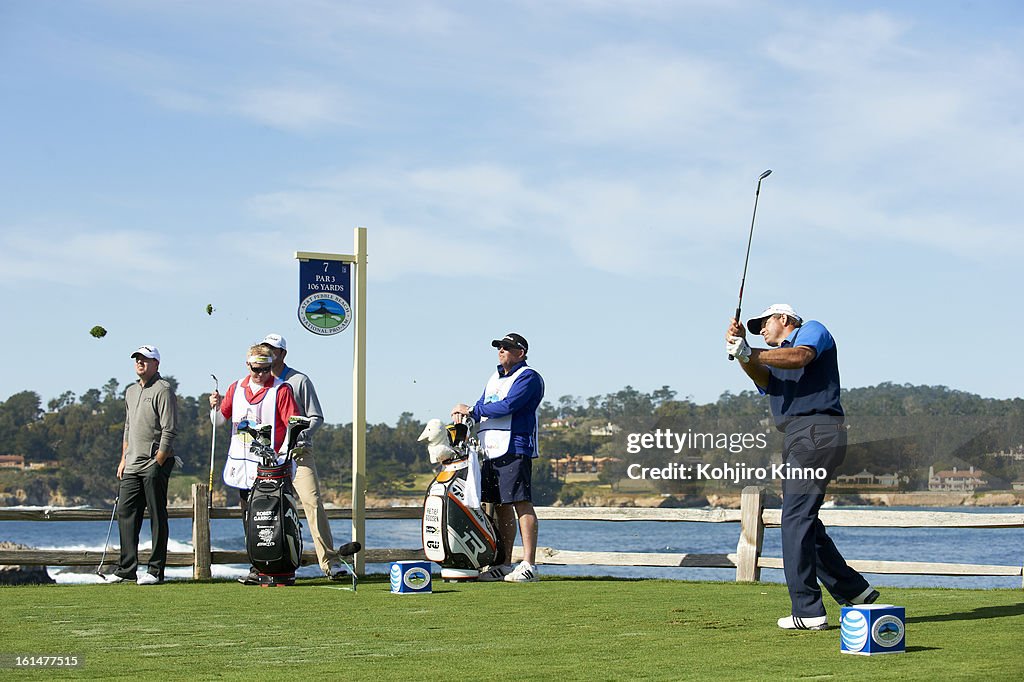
<point x="148" y="352"/>
<point x="754" y="323"/>
<point x="275" y="340"/>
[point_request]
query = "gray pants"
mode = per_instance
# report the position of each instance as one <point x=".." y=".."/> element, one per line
<point x="146" y="489"/>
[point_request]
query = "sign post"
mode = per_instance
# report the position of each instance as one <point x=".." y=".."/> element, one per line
<point x="326" y="308"/>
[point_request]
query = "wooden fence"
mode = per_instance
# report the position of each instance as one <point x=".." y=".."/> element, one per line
<point x="747" y="560"/>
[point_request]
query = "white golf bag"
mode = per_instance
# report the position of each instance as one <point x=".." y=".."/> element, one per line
<point x="457" y="533"/>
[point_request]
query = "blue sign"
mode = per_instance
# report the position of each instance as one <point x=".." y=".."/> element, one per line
<point x="410" y="577"/>
<point x="871" y="629"/>
<point x="325" y="287"/>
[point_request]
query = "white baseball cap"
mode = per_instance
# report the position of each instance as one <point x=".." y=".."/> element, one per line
<point x="754" y="323"/>
<point x="147" y="352"/>
<point x="275" y="340"/>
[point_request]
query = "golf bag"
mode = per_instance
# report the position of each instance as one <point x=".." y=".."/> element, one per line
<point x="273" y="532"/>
<point x="461" y="537"/>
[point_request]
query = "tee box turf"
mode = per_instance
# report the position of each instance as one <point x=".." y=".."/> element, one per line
<point x="410" y="577"/>
<point x="871" y="629"/>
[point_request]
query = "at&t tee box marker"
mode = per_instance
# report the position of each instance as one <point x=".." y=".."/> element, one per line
<point x="410" y="577"/>
<point x="871" y="629"/>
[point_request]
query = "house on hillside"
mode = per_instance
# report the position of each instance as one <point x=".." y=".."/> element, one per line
<point x="867" y="478"/>
<point x="957" y="480"/>
<point x="580" y="464"/>
<point x="608" y="429"/>
<point x="12" y="461"/>
<point x="1016" y="453"/>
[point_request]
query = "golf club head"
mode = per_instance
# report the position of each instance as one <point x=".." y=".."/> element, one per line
<point x="296" y="425"/>
<point x="265" y="431"/>
<point x="349" y="548"/>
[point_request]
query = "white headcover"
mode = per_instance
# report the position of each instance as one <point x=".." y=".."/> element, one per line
<point x="436" y="436"/>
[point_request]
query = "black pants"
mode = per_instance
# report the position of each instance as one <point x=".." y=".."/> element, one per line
<point x="138" y="492"/>
<point x="808" y="553"/>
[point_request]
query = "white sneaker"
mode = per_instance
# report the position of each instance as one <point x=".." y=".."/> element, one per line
<point x="496" y="574"/>
<point x="148" y="579"/>
<point x="804" y="623"/>
<point x="113" y="578"/>
<point x="525" y="572"/>
<point x="868" y="596"/>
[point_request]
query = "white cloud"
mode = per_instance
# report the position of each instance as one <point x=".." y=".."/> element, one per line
<point x="633" y="93"/>
<point x="837" y="45"/>
<point x="78" y="256"/>
<point x="291" y="108"/>
<point x="294" y="103"/>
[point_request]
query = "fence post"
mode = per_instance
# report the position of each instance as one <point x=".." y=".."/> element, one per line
<point x="201" y="531"/>
<point x="748" y="551"/>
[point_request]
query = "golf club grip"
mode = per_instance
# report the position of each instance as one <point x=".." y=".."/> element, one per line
<point x="737" y="318"/>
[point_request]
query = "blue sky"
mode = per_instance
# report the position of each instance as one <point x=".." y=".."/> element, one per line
<point x="579" y="171"/>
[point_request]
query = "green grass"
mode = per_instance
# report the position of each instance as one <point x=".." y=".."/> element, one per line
<point x="558" y="629"/>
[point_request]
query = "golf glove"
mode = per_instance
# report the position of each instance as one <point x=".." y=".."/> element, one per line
<point x="737" y="347"/>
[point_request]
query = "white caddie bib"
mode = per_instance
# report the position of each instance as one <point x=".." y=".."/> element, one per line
<point x="240" y="468"/>
<point x="495" y="433"/>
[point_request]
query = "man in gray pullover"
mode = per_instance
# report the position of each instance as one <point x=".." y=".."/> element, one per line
<point x="150" y="424"/>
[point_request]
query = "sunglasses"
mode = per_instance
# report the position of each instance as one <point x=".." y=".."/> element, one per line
<point x="259" y="370"/>
<point x="508" y="346"/>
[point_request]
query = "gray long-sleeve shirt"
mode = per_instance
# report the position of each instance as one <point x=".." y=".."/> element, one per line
<point x="150" y="422"/>
<point x="309" y="403"/>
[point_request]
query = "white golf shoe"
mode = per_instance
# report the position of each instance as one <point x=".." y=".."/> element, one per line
<point x="525" y="572"/>
<point x="496" y="574"/>
<point x="148" y="579"/>
<point x="804" y="623"/>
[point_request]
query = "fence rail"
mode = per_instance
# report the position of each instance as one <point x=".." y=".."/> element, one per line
<point x="748" y="559"/>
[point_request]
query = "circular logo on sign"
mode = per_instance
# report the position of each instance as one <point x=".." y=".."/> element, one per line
<point x="325" y="314"/>
<point x="887" y="631"/>
<point x="396" y="577"/>
<point x="416" y="578"/>
<point x="854" y="630"/>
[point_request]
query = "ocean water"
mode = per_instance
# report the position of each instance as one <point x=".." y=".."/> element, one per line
<point x="949" y="545"/>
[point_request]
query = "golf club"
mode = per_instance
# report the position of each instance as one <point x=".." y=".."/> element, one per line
<point x="345" y="550"/>
<point x="750" y="239"/>
<point x="213" y="444"/>
<point x="110" y="526"/>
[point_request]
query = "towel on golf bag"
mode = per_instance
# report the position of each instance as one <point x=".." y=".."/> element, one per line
<point x="471" y="496"/>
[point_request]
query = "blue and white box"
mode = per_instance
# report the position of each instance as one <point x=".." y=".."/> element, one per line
<point x="410" y="577"/>
<point x="871" y="629"/>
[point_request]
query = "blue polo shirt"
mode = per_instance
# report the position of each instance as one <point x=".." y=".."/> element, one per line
<point x="522" y="401"/>
<point x="811" y="390"/>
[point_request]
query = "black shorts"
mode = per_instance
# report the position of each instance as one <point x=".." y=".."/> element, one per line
<point x="506" y="479"/>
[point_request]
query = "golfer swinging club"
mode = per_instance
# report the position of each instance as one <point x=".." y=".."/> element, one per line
<point x="800" y="375"/>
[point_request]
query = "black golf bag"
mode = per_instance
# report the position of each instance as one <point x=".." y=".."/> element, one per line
<point x="461" y="538"/>
<point x="273" y="532"/>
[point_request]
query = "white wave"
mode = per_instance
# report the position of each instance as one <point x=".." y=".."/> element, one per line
<point x="218" y="571"/>
<point x="172" y="546"/>
<point x="41" y="508"/>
